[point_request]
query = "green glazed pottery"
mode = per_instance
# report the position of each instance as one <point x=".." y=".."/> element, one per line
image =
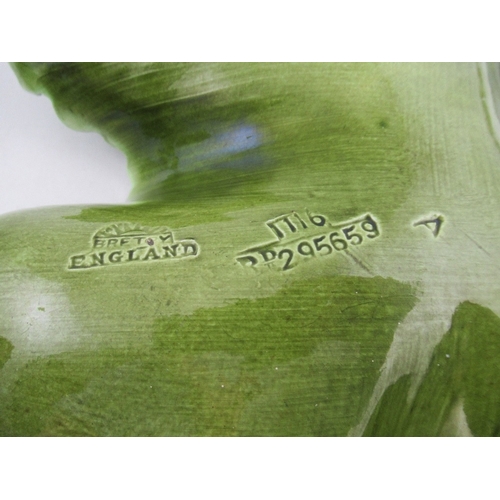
<point x="312" y="250"/>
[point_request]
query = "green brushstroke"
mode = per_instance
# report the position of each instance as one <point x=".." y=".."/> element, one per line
<point x="251" y="135"/>
<point x="464" y="368"/>
<point x="294" y="364"/>
<point x="5" y="351"/>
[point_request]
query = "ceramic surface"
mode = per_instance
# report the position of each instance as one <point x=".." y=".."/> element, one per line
<point x="312" y="251"/>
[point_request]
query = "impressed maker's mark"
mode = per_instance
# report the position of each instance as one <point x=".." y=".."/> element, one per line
<point x="127" y="243"/>
<point x="302" y="237"/>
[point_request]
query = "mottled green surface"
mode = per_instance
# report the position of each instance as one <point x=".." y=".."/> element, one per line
<point x="464" y="370"/>
<point x="5" y="350"/>
<point x="341" y="343"/>
<point x="290" y="120"/>
<point x="263" y="367"/>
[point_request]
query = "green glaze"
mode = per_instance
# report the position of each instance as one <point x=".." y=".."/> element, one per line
<point x="102" y="334"/>
<point x="218" y="371"/>
<point x="5" y="351"/>
<point x="463" y="379"/>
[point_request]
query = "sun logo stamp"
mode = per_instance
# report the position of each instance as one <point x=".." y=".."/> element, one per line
<point x="126" y="243"/>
